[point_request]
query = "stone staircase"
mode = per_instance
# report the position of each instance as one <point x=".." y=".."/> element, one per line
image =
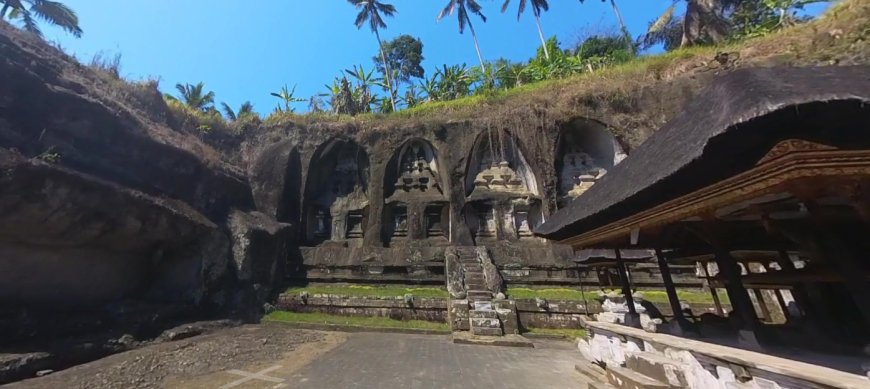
<point x="475" y="285"/>
<point x="642" y="370"/>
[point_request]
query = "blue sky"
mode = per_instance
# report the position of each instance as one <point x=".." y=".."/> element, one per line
<point x="243" y="53"/>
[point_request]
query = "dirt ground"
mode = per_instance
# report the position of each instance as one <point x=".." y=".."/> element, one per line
<point x="206" y="361"/>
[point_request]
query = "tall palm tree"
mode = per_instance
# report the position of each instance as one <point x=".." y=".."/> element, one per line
<point x="245" y="110"/>
<point x="193" y="96"/>
<point x="461" y="7"/>
<point x="370" y="12"/>
<point x="50" y="11"/>
<point x="537" y="7"/>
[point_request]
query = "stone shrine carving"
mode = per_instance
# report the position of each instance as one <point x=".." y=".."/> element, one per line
<point x="487" y="226"/>
<point x="521" y="220"/>
<point x="579" y="173"/>
<point x="400" y="222"/>
<point x="416" y="171"/>
<point x="323" y="224"/>
<point x="354" y="225"/>
<point x="499" y="178"/>
<point x="433" y="222"/>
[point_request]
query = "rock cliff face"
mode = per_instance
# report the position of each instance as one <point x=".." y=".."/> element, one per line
<point x="105" y="199"/>
<point x="102" y="203"/>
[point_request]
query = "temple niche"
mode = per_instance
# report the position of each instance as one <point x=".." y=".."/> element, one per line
<point x="503" y="202"/>
<point x="586" y="151"/>
<point x="336" y="201"/>
<point x="416" y="206"/>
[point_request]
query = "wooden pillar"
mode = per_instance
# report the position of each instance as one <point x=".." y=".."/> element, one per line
<point x="714" y="293"/>
<point x="782" y="305"/>
<point x="740" y="302"/>
<point x="849" y="266"/>
<point x="762" y="305"/>
<point x="631" y="318"/>
<point x="671" y="290"/>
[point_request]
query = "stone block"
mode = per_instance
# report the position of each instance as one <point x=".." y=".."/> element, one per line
<point x="623" y="378"/>
<point x="658" y="367"/>
<point x="486" y="331"/>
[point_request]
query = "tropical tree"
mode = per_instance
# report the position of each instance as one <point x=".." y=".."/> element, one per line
<point x="537" y="7"/>
<point x="370" y="12"/>
<point x="194" y="97"/>
<point x="462" y="8"/>
<point x="703" y="22"/>
<point x="245" y="110"/>
<point x="53" y="12"/>
<point x="404" y="56"/>
<point x="287" y="97"/>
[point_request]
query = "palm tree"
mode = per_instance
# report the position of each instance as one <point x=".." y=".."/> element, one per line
<point x="703" y="21"/>
<point x="193" y="96"/>
<point x="537" y="6"/>
<point x="461" y="7"/>
<point x="245" y="110"/>
<point x="288" y="97"/>
<point x="50" y="11"/>
<point x="370" y="11"/>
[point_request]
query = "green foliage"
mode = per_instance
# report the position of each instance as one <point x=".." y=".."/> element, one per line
<point x="27" y="11"/>
<point x="359" y="321"/>
<point x="194" y="96"/>
<point x="287" y="97"/>
<point x="567" y="333"/>
<point x="404" y="56"/>
<point x="371" y="291"/>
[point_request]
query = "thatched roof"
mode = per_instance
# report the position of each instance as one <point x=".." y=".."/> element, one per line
<point x="722" y="132"/>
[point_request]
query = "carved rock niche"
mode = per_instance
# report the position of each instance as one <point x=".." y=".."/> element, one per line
<point x="586" y="151"/>
<point x="336" y="200"/>
<point x="497" y="166"/>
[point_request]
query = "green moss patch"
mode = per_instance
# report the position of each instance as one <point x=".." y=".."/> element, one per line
<point x="371" y="291"/>
<point x="653" y="296"/>
<point x="359" y="321"/>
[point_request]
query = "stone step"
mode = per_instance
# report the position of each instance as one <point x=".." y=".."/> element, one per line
<point x="483" y="322"/>
<point x="658" y="367"/>
<point x="624" y="378"/>
<point x="474" y="294"/>
<point x="600" y="385"/>
<point x="481" y="331"/>
<point x="483" y="314"/>
<point x="475" y="276"/>
<point x="591" y="371"/>
<point x="473" y="268"/>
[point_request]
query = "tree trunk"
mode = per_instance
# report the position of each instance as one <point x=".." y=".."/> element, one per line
<point x="3" y="11"/>
<point x="476" y="46"/>
<point x="622" y="26"/>
<point x="704" y="21"/>
<point x="543" y="40"/>
<point x="387" y="71"/>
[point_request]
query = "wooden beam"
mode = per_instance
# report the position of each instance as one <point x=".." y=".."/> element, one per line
<point x="671" y="290"/>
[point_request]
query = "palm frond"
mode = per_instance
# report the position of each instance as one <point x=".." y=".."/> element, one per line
<point x="663" y="20"/>
<point x="58" y="14"/>
<point x="447" y="11"/>
<point x="229" y="111"/>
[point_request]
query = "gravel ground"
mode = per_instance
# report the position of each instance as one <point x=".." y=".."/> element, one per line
<point x="200" y="361"/>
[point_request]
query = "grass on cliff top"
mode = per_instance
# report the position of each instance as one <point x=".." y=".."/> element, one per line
<point x="653" y="296"/>
<point x="371" y="291"/>
<point x="360" y="321"/>
<point x="568" y="333"/>
<point x="840" y="34"/>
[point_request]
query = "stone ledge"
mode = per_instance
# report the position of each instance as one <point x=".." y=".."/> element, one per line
<point x="813" y="374"/>
<point x="353" y="328"/>
<point x="504" y="341"/>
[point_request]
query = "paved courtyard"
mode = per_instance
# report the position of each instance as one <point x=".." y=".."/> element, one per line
<point x="416" y="362"/>
<point x="273" y="356"/>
